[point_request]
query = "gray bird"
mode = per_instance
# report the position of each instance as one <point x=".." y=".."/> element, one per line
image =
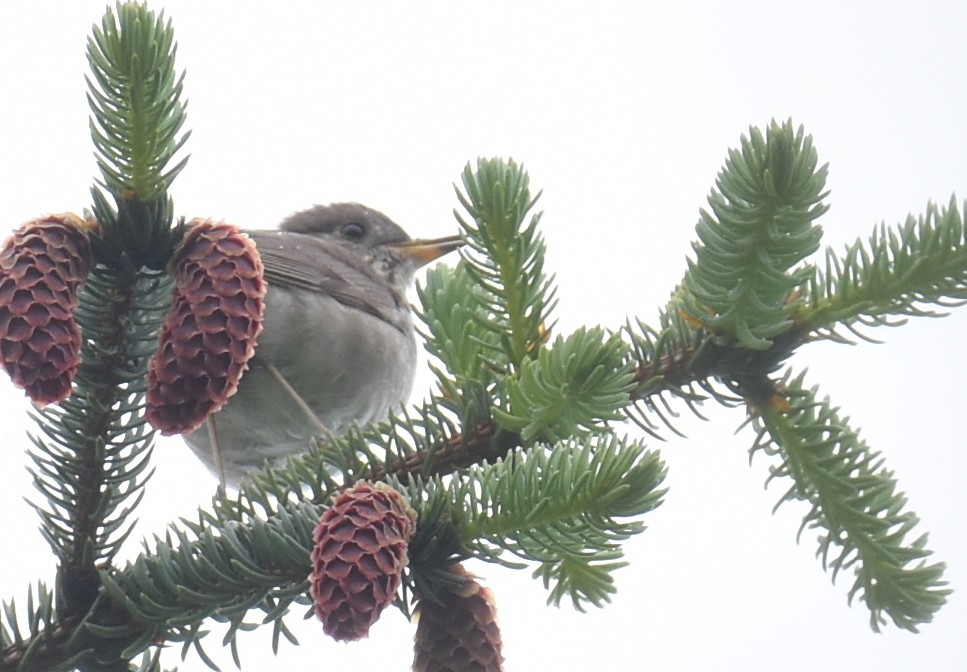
<point x="337" y="345"/>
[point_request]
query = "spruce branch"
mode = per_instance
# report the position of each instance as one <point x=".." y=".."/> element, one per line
<point x="563" y="507"/>
<point x="457" y="332"/>
<point x="92" y="451"/>
<point x="583" y="500"/>
<point x="730" y="319"/>
<point x="694" y="358"/>
<point x="760" y="227"/>
<point x="863" y="520"/>
<point x="206" y="571"/>
<point x="573" y="387"/>
<point x="505" y="257"/>
<point x="135" y="96"/>
<point x="898" y="273"/>
<point x="681" y="363"/>
<point x="31" y="649"/>
<point x="569" y="521"/>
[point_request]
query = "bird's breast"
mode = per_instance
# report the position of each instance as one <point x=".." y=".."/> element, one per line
<point x="345" y="364"/>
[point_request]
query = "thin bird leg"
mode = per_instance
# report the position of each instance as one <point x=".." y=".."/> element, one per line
<point x="298" y="400"/>
<point x="217" y="455"/>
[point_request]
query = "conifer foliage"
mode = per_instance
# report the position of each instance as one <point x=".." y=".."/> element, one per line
<point x="519" y="457"/>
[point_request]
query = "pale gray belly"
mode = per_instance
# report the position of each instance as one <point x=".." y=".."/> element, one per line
<point x="347" y="366"/>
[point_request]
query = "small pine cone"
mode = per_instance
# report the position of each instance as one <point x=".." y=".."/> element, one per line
<point x="41" y="267"/>
<point x="208" y="335"/>
<point x="358" y="556"/>
<point x="458" y="631"/>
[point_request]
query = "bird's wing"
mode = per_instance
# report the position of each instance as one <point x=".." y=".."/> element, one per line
<point x="316" y="264"/>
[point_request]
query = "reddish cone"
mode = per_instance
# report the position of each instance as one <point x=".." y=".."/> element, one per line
<point x="458" y="632"/>
<point x="41" y="267"/>
<point x="209" y="333"/>
<point x="358" y="557"/>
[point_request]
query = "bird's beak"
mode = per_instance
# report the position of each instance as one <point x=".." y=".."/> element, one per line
<point x="422" y="252"/>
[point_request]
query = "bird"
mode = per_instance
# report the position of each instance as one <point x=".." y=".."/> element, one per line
<point x="338" y="341"/>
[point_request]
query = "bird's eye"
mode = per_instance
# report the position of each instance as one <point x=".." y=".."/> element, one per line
<point x="353" y="230"/>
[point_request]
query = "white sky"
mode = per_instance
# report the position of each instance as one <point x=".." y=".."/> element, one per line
<point x="623" y="114"/>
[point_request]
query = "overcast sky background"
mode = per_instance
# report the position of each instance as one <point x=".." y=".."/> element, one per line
<point x="623" y="113"/>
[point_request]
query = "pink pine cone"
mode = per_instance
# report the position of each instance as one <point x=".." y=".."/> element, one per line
<point x="358" y="558"/>
<point x="458" y="631"/>
<point x="208" y="336"/>
<point x="41" y="267"/>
